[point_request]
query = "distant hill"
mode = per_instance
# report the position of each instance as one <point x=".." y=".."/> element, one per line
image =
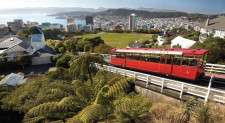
<point x="148" y="14"/>
<point x="72" y="14"/>
<point x="49" y="10"/>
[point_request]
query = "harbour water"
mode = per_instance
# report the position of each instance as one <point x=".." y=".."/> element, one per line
<point x="40" y="18"/>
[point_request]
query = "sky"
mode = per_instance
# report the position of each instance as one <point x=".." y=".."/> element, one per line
<point x="191" y="6"/>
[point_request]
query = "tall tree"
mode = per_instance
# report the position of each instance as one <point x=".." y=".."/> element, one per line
<point x="85" y="64"/>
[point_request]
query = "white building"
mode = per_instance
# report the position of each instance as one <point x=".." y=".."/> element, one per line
<point x="214" y="27"/>
<point x="55" y="26"/>
<point x="35" y="47"/>
<point x="132" y="22"/>
<point x="183" y="42"/>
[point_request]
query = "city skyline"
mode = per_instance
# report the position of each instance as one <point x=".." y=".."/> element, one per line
<point x="191" y="6"/>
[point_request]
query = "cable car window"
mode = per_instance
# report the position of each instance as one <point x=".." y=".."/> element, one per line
<point x="129" y="56"/>
<point x="114" y="55"/>
<point x="177" y="60"/>
<point x="163" y="59"/>
<point x="136" y="56"/>
<point x="145" y="57"/>
<point x="122" y="55"/>
<point x="203" y="61"/>
<point x="169" y="59"/>
<point x="117" y="55"/>
<point x="155" y="58"/>
<point x="190" y="61"/>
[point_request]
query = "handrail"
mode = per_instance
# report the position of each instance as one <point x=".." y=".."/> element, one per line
<point x="206" y="93"/>
<point x="215" y="68"/>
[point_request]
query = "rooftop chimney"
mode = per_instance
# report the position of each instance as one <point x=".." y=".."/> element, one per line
<point x="207" y="22"/>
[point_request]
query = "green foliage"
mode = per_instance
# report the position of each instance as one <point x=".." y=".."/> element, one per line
<point x="56" y="57"/>
<point x="131" y="109"/>
<point x="95" y="41"/>
<point x="27" y="32"/>
<point x="81" y="44"/>
<point x="35" y="93"/>
<point x="103" y="49"/>
<point x="169" y="39"/>
<point x="177" y="46"/>
<point x="216" y="46"/>
<point x="90" y="114"/>
<point x="203" y="114"/>
<point x="63" y="61"/>
<point x="120" y="86"/>
<point x="71" y="44"/>
<point x="59" y="74"/>
<point x="52" y="34"/>
<point x="85" y="64"/>
<point x="56" y="45"/>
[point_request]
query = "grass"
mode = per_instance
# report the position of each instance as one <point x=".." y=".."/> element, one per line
<point x="117" y="40"/>
<point x="149" y="35"/>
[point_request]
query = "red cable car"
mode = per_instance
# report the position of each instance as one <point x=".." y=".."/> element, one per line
<point x="183" y="63"/>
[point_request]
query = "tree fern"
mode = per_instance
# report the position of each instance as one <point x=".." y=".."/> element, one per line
<point x="72" y="104"/>
<point x="85" y="92"/>
<point x="120" y="86"/>
<point x="34" y="119"/>
<point x="50" y="110"/>
<point x="90" y="113"/>
<point x="132" y="109"/>
<point x="59" y="92"/>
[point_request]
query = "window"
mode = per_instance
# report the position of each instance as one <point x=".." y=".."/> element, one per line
<point x="190" y="61"/>
<point x="129" y="56"/>
<point x="169" y="59"/>
<point x="155" y="58"/>
<point x="115" y="55"/>
<point x="203" y="61"/>
<point x="145" y="57"/>
<point x="177" y="60"/>
<point x="163" y="59"/>
<point x="136" y="56"/>
<point x="122" y="55"/>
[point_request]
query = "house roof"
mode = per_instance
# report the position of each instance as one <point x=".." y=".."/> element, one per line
<point x="185" y="43"/>
<point x="17" y="45"/>
<point x="12" y="79"/>
<point x="217" y="23"/>
<point x="37" y="31"/>
<point x="42" y="53"/>
<point x="8" y="43"/>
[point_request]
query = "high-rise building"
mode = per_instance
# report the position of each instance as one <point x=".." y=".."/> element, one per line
<point x="132" y="22"/>
<point x="71" y="28"/>
<point x="70" y="21"/>
<point x="89" y="20"/>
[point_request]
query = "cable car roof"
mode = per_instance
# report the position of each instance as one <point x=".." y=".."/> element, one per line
<point x="162" y="51"/>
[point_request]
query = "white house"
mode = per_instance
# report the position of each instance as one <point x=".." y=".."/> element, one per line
<point x="214" y="27"/>
<point x="35" y="47"/>
<point x="183" y="42"/>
